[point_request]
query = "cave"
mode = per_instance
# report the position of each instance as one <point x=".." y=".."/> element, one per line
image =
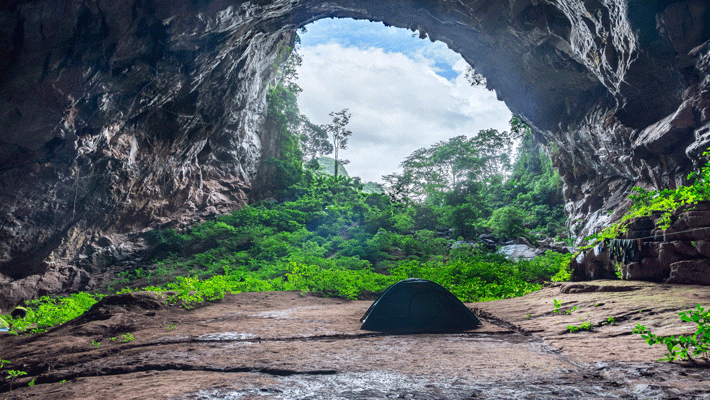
<point x="124" y="115"/>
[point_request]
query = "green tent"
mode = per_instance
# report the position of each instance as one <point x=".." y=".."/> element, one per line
<point x="418" y="306"/>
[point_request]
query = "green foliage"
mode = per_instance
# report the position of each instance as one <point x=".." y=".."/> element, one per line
<point x="13" y="374"/>
<point x="314" y="140"/>
<point x="564" y="273"/>
<point x="475" y="188"/>
<point x="549" y="266"/>
<point x="508" y="221"/>
<point x="684" y="347"/>
<point x="45" y="312"/>
<point x="557" y="305"/>
<point x="284" y="117"/>
<point x="472" y="277"/>
<point x="95" y="344"/>
<point x="3" y="362"/>
<point x="325" y="235"/>
<point x="430" y="173"/>
<point x="584" y="326"/>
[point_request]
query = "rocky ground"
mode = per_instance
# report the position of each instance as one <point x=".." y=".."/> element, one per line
<point x="285" y="345"/>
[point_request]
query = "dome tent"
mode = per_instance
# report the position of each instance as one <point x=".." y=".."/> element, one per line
<point x="418" y="306"/>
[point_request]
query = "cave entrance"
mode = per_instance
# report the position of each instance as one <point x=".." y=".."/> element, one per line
<point x="403" y="93"/>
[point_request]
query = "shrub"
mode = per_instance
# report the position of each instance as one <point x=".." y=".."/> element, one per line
<point x="508" y="221"/>
<point x="683" y="347"/>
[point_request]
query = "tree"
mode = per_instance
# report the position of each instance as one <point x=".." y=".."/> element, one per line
<point x="508" y="221"/>
<point x="314" y="140"/>
<point x="339" y="134"/>
<point x="283" y="118"/>
<point x="432" y="172"/>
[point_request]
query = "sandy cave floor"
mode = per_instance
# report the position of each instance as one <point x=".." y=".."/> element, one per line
<point x="285" y="345"/>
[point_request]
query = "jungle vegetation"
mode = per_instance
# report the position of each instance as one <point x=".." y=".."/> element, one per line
<point x="325" y="234"/>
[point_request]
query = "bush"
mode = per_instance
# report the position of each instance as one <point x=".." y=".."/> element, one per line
<point x="550" y="266"/>
<point x="508" y="221"/>
<point x="46" y="312"/>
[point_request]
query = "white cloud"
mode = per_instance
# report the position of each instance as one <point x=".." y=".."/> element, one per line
<point x="398" y="103"/>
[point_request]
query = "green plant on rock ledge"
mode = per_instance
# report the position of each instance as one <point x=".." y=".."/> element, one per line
<point x="682" y="347"/>
<point x="664" y="202"/>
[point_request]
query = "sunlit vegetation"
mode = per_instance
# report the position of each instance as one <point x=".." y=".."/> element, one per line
<point x="334" y="240"/>
<point x="473" y="181"/>
<point x="46" y="312"/>
<point x="326" y="235"/>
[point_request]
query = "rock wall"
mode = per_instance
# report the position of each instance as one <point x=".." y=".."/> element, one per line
<point x="120" y="115"/>
<point x="679" y="254"/>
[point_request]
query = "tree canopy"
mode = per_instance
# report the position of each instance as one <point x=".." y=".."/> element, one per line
<point x="473" y="181"/>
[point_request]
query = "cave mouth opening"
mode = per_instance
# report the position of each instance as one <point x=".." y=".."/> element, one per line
<point x="403" y="92"/>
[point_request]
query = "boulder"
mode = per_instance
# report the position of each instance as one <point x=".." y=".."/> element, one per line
<point x="519" y="252"/>
<point x="692" y="272"/>
<point x="649" y="269"/>
<point x="703" y="247"/>
<point x="695" y="219"/>
<point x="58" y="278"/>
<point x="668" y="255"/>
<point x="685" y="249"/>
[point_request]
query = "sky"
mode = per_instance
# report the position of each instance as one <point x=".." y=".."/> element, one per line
<point x="403" y="93"/>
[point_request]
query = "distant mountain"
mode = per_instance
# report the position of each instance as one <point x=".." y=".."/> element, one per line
<point x="327" y="167"/>
<point x="372" y="187"/>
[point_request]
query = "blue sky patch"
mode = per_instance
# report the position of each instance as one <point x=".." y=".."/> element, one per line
<point x="365" y="34"/>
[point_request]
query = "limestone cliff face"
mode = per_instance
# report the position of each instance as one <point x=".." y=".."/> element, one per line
<point x="118" y="115"/>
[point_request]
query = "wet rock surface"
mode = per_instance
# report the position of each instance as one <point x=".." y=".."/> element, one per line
<point x="290" y="346"/>
<point x="118" y="115"/>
